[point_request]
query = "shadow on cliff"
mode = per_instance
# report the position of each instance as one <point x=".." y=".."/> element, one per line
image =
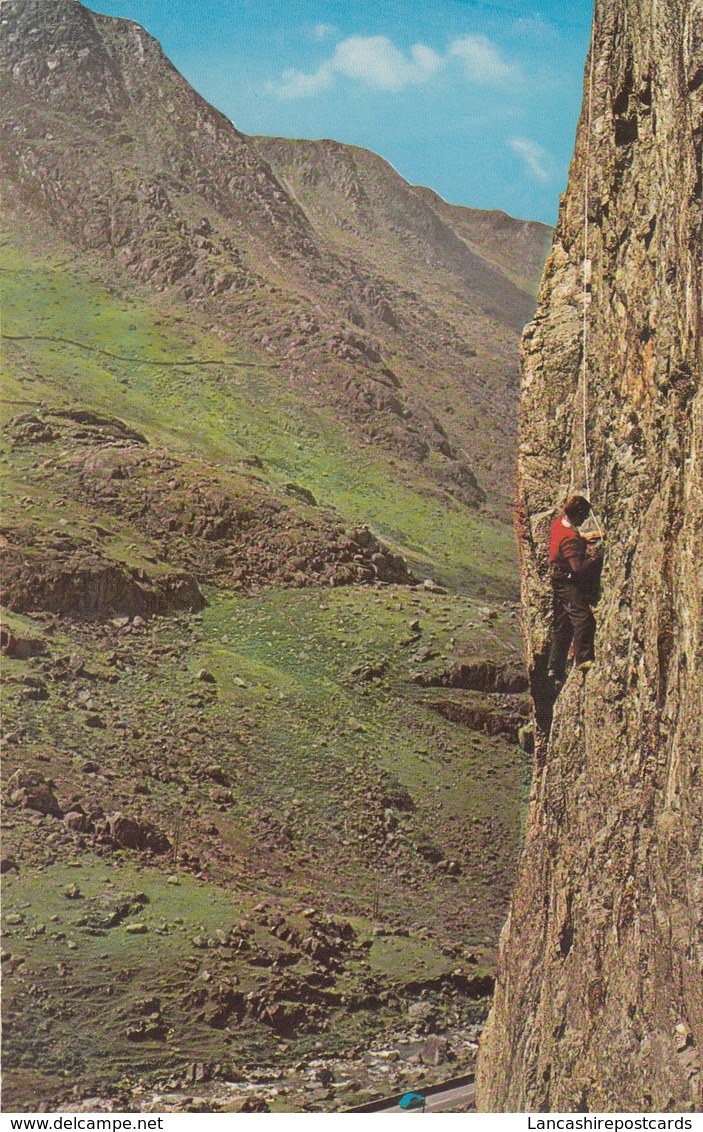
<point x="544" y="689"/>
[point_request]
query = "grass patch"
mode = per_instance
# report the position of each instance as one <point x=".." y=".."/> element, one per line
<point x="226" y="413"/>
<point x="277" y="737"/>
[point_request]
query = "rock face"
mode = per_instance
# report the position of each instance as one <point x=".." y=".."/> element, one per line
<point x="599" y="1000"/>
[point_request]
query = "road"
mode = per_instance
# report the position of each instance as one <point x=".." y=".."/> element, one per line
<point x="450" y="1096"/>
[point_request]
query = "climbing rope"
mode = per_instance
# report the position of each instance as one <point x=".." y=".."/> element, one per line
<point x="585" y="292"/>
<point x="586" y="271"/>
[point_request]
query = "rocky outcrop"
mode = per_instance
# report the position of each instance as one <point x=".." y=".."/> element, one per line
<point x="212" y="525"/>
<point x="599" y="998"/>
<point x="478" y="676"/>
<point x="69" y="577"/>
<point x="31" y="790"/>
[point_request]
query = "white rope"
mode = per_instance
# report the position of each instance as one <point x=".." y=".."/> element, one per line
<point x="586" y="269"/>
<point x="585" y="293"/>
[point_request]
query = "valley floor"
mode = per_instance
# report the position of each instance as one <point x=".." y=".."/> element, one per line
<point x="261" y="819"/>
<point x="269" y="846"/>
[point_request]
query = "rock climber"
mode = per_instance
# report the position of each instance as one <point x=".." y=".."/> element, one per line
<point x="575" y="563"/>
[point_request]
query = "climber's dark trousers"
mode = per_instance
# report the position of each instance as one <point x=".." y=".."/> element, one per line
<point x="573" y="619"/>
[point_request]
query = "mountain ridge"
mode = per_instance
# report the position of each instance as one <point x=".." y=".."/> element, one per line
<point x="241" y="251"/>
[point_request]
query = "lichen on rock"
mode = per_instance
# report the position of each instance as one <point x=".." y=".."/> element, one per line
<point x="600" y="968"/>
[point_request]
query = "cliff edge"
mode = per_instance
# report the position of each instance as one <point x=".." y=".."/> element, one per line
<point x="599" y="1000"/>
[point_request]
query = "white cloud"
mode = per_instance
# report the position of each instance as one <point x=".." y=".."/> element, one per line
<point x="296" y="84"/>
<point x="378" y="62"/>
<point x="536" y="159"/>
<point x="373" y="60"/>
<point x="323" y="31"/>
<point x="482" y="59"/>
<point x="535" y="27"/>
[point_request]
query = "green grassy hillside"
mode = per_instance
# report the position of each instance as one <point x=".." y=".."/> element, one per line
<point x="262" y="668"/>
<point x="280" y="821"/>
<point x="389" y="314"/>
<point x="68" y="342"/>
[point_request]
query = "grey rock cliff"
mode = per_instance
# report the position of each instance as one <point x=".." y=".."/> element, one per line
<point x="599" y="1000"/>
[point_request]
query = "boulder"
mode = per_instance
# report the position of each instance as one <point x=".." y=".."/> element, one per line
<point x="435" y="1051"/>
<point x="20" y="648"/>
<point x="78" y="822"/>
<point x="30" y="790"/>
<point x="128" y="833"/>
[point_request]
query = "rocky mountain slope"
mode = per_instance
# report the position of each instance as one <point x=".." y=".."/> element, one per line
<point x="263" y="686"/>
<point x="599" y="999"/>
<point x="236" y="727"/>
<point x="369" y="294"/>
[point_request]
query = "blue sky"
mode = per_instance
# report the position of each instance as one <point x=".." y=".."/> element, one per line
<point x="476" y="98"/>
